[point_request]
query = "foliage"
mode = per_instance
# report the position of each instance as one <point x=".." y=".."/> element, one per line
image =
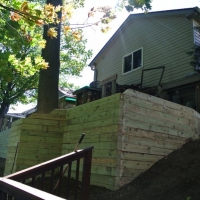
<point x="131" y="4"/>
<point x="73" y="54"/>
<point x="21" y="42"/>
<point x="20" y="89"/>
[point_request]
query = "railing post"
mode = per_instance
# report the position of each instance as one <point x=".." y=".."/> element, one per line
<point x="3" y="195"/>
<point x="86" y="175"/>
<point x="1" y="124"/>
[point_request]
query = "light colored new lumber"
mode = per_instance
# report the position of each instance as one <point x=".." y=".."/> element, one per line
<point x="159" y="114"/>
<point x="40" y="139"/>
<point x="99" y="153"/>
<point x="81" y="110"/>
<point x="36" y="157"/>
<point x="33" y="121"/>
<point x="23" y="150"/>
<point x="41" y="133"/>
<point x="48" y="116"/>
<point x="129" y="101"/>
<point x="124" y="155"/>
<point x="131" y="131"/>
<point x="94" y="124"/>
<point x="159" y="129"/>
<point x="142" y="165"/>
<point x="89" y="117"/>
<point x="112" y="171"/>
<point x="95" y="131"/>
<point x="38" y="127"/>
<point x="145" y="149"/>
<point x="104" y="153"/>
<point x="98" y="145"/>
<point x="17" y="122"/>
<point x="99" y="102"/>
<point x="48" y="144"/>
<point x="108" y="137"/>
<point x="106" y="179"/>
<point x="58" y="112"/>
<point x="151" y="142"/>
<point x="109" y="162"/>
<point x="158" y="121"/>
<point x="15" y="128"/>
<point x="140" y="95"/>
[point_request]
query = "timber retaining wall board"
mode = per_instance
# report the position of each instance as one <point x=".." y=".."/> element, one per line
<point x="40" y="138"/>
<point x="101" y="122"/>
<point x="151" y="129"/>
<point x="4" y="143"/>
<point x="13" y="139"/>
<point x="129" y="132"/>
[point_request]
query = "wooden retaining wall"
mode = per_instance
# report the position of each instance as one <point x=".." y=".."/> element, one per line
<point x="4" y="143"/>
<point x="152" y="128"/>
<point x="101" y="122"/>
<point x="129" y="132"/>
<point x="40" y="138"/>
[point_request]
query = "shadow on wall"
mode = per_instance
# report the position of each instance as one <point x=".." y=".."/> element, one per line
<point x="2" y="166"/>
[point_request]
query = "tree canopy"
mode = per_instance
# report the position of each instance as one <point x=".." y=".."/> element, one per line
<point x="22" y="39"/>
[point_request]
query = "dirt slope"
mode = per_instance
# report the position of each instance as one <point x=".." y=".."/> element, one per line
<point x="175" y="177"/>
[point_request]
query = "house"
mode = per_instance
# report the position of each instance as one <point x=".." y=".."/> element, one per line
<point x="66" y="100"/>
<point x="150" y="51"/>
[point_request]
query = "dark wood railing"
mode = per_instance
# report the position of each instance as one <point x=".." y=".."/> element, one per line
<point x="50" y="177"/>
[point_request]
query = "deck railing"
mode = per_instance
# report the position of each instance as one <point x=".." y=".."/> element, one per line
<point x="51" y="177"/>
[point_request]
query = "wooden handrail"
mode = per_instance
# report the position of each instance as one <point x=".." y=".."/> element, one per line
<point x="51" y="165"/>
<point x="23" y="192"/>
<point x="48" y="165"/>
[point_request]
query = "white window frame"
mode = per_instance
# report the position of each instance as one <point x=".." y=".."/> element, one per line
<point x="196" y="33"/>
<point x="123" y="73"/>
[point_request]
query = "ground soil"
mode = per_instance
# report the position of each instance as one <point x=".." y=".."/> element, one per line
<point x="175" y="177"/>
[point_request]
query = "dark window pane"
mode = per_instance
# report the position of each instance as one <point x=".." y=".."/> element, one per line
<point x="137" y="59"/>
<point x="127" y="63"/>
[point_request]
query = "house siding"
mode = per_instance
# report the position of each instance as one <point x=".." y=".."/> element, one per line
<point x="165" y="41"/>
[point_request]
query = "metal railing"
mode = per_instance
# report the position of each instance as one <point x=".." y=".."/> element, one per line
<point x="50" y="176"/>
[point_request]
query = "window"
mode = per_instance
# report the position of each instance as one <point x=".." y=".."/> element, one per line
<point x="196" y="33"/>
<point x="132" y="61"/>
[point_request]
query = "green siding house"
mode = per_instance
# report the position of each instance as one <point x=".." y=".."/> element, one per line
<point x="152" y="40"/>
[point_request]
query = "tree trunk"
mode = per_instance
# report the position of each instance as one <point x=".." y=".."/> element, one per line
<point x="49" y="78"/>
<point x="3" y="111"/>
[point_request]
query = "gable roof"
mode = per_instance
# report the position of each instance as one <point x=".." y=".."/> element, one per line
<point x="188" y="12"/>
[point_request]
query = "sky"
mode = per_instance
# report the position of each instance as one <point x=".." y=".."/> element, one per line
<point x="96" y="39"/>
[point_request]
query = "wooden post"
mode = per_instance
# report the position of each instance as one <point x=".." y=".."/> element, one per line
<point x="103" y="91"/>
<point x="197" y="91"/>
<point x="86" y="175"/>
<point x="113" y="86"/>
<point x="1" y="124"/>
<point x="104" y="82"/>
<point x="85" y="97"/>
